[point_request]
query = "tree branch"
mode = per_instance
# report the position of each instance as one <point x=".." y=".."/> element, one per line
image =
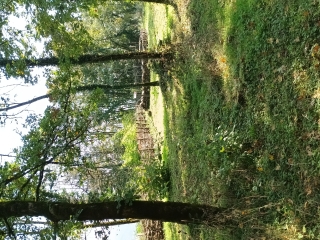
<point x="83" y="88"/>
<point x="7" y="155"/>
<point x="87" y="58"/>
<point x="39" y="183"/>
<point x="9" y="228"/>
<point x="25" y="103"/>
<point x="25" y="185"/>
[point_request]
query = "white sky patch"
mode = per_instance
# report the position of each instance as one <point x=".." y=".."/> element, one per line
<point x="16" y="23"/>
<point x="9" y="138"/>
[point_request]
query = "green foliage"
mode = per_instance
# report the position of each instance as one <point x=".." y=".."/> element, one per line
<point x="114" y="26"/>
<point x="155" y="181"/>
<point x="149" y="178"/>
<point x="15" y="45"/>
<point x="115" y="101"/>
<point x="57" y="137"/>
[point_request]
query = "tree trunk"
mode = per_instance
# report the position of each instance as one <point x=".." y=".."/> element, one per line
<point x="167" y="2"/>
<point x="154" y="210"/>
<point x="83" y="88"/>
<point x="83" y="59"/>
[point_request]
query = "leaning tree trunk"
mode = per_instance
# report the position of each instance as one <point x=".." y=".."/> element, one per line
<point x="168" y="2"/>
<point x="90" y="87"/>
<point x="88" y="58"/>
<point x="154" y="210"/>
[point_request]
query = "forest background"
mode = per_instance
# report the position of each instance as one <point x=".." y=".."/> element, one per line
<point x="237" y="112"/>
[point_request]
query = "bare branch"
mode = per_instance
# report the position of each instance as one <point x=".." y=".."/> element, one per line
<point x="25" y="103"/>
<point x="14" y="85"/>
<point x="7" y="155"/>
<point x="39" y="183"/>
<point x="15" y="114"/>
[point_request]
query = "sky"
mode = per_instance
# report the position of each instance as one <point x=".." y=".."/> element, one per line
<point x="10" y="139"/>
<point x="123" y="232"/>
<point x="19" y="93"/>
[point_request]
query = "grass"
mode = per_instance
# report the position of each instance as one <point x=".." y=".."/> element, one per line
<point x="241" y="119"/>
<point x="129" y="139"/>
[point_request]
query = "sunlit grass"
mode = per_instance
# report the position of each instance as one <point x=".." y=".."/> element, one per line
<point x="241" y="117"/>
<point x="129" y="140"/>
<point x="158" y="21"/>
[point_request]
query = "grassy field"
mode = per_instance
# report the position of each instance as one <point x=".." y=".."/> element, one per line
<point x="241" y="113"/>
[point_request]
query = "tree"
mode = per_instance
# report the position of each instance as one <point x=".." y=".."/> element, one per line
<point x="177" y="212"/>
<point x="167" y="2"/>
<point x="83" y="59"/>
<point x="63" y="218"/>
<point x="80" y="89"/>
